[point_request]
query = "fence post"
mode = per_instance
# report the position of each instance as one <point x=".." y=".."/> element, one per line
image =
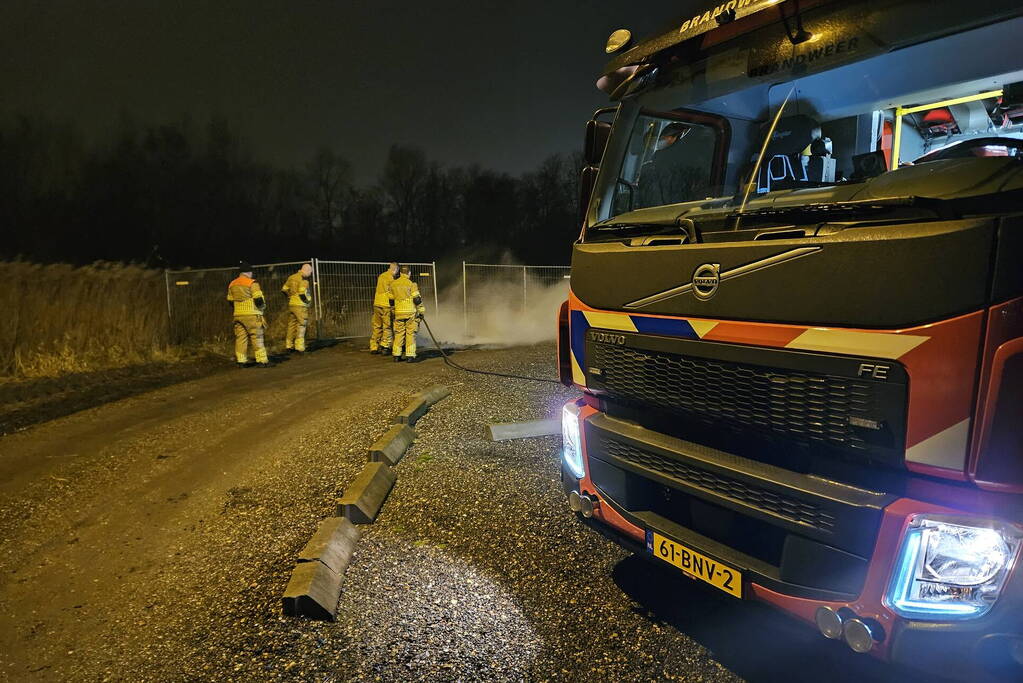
<point x="315" y="263"/>
<point x="523" y="289"/>
<point x="170" y="320"/>
<point x="166" y="285"/>
<point x="436" y="299"/>
<point x="465" y="304"/>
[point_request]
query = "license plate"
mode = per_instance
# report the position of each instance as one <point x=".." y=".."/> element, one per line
<point x="695" y="564"/>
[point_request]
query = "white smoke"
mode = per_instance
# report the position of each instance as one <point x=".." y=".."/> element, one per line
<point x="493" y="314"/>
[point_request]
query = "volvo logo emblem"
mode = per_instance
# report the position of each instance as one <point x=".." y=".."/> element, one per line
<point x="706" y="279"/>
<point x="607" y="338"/>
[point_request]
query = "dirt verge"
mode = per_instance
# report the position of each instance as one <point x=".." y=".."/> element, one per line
<point x="26" y="402"/>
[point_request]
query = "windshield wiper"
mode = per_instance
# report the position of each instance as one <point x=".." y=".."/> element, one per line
<point x="760" y="157"/>
<point x="826" y="211"/>
<point x="626" y="227"/>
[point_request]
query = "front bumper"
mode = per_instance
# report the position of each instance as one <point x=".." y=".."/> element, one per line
<point x="800" y="542"/>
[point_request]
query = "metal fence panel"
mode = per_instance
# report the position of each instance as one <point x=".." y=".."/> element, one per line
<point x="491" y="291"/>
<point x="200" y="313"/>
<point x="541" y="280"/>
<point x="493" y="297"/>
<point x="345" y="291"/>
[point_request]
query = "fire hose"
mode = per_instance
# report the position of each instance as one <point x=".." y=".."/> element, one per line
<point x="455" y="365"/>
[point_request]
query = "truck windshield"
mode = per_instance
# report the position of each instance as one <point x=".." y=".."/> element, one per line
<point x="666" y="162"/>
<point x="840" y="126"/>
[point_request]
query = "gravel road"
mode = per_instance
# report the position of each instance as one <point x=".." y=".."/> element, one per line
<point x="151" y="539"/>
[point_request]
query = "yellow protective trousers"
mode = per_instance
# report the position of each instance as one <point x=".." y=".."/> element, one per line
<point x="298" y="317"/>
<point x="405" y="328"/>
<point x="381" y="337"/>
<point x="248" y="331"/>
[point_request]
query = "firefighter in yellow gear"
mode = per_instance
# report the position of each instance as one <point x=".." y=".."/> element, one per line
<point x="249" y="304"/>
<point x="383" y="311"/>
<point x="299" y="297"/>
<point x="408" y="309"/>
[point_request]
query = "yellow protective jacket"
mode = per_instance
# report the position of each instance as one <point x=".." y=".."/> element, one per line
<point x="244" y="292"/>
<point x="407" y="301"/>
<point x="297" y="287"/>
<point x="383" y="293"/>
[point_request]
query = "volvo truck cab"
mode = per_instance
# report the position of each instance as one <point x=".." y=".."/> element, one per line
<point x="796" y="317"/>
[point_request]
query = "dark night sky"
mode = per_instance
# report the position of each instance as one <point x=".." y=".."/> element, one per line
<point x="503" y="84"/>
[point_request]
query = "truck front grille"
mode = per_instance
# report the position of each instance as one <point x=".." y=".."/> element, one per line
<point x="805" y="407"/>
<point x="802" y="512"/>
<point x="754" y="508"/>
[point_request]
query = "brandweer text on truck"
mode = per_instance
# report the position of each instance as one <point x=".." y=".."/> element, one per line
<point x="796" y="316"/>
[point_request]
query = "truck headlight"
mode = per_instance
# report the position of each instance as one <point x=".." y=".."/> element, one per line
<point x="951" y="567"/>
<point x="571" y="447"/>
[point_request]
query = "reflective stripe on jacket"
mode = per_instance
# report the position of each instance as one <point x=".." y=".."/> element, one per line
<point x="295" y="287"/>
<point x="383" y="293"/>
<point x="242" y="292"/>
<point x="405" y="291"/>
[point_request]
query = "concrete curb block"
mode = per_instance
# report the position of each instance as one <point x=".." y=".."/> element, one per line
<point x="363" y="500"/>
<point x="313" y="591"/>
<point x="333" y="544"/>
<point x="315" y="585"/>
<point x="420" y="403"/>
<point x="413" y="411"/>
<point x="390" y="448"/>
<point x="506" y="431"/>
<point x="435" y="394"/>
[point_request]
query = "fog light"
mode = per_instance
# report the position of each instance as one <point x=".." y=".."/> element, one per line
<point x="951" y="567"/>
<point x="571" y="446"/>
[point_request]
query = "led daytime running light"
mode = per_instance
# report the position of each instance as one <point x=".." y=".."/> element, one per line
<point x="951" y="568"/>
<point x="571" y="444"/>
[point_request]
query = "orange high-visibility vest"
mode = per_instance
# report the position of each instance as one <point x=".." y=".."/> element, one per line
<point x="243" y="292"/>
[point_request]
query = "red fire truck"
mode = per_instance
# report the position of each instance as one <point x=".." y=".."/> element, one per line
<point x="796" y="317"/>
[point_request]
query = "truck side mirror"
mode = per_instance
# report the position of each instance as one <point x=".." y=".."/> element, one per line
<point x="597" y="133"/>
<point x="587" y="179"/>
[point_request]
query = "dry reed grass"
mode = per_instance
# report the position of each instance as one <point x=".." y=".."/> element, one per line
<point x="59" y="319"/>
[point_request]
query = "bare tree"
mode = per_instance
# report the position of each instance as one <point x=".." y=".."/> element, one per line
<point x="402" y="181"/>
<point x="330" y="175"/>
